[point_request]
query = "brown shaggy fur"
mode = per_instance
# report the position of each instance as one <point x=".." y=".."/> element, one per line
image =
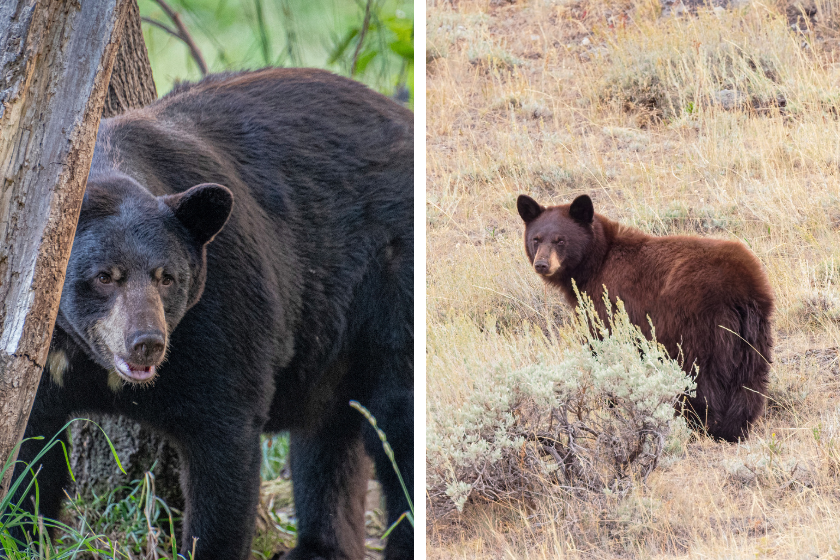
<point x="690" y="287"/>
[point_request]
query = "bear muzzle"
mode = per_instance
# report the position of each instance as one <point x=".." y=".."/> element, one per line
<point x="541" y="266"/>
<point x="145" y="352"/>
<point x="146" y="347"/>
<point x="134" y="333"/>
<point x="133" y="372"/>
<point x="547" y="265"/>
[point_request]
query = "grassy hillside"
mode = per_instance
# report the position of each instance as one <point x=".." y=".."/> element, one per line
<point x="711" y="121"/>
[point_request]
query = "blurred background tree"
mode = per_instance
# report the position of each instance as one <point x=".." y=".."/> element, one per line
<point x="370" y="40"/>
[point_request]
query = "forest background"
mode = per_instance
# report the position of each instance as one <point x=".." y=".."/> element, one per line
<point x="248" y="34"/>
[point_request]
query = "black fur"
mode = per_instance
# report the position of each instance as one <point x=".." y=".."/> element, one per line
<point x="581" y="210"/>
<point x="528" y="208"/>
<point x="307" y="301"/>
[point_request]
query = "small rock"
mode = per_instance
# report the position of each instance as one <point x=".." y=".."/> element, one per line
<point x="541" y="112"/>
<point x="729" y="99"/>
<point x="586" y="42"/>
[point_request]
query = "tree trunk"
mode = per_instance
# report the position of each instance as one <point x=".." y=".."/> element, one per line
<point x="55" y="62"/>
<point x="131" y="87"/>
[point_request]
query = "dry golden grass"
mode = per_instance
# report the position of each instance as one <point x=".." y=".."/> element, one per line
<point x="605" y="97"/>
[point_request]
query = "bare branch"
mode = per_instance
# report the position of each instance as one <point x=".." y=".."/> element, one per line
<point x="362" y="33"/>
<point x="160" y="25"/>
<point x="181" y="33"/>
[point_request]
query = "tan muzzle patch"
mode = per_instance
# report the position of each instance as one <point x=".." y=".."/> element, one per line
<point x="549" y="255"/>
<point x="137" y="309"/>
<point x="554" y="263"/>
<point x="110" y="331"/>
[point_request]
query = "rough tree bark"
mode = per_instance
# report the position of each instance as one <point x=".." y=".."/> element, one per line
<point x="55" y="64"/>
<point x="131" y="87"/>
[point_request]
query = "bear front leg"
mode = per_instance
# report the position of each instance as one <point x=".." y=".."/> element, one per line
<point x="329" y="479"/>
<point x="220" y="478"/>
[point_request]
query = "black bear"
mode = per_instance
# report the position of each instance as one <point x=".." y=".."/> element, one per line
<point x="243" y="264"/>
<point x="690" y="287"/>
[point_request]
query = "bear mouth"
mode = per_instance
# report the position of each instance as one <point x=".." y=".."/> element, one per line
<point x="134" y="373"/>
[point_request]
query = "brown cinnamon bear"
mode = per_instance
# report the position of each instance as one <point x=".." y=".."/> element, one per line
<point x="690" y="288"/>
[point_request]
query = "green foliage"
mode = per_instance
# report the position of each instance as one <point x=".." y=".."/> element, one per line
<point x="135" y="518"/>
<point x="140" y="521"/>
<point x="275" y="452"/>
<point x="247" y="34"/>
<point x="138" y="524"/>
<point x="593" y="424"/>
<point x="395" y="33"/>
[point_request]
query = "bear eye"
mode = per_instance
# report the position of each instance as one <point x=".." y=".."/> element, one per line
<point x="104" y="278"/>
<point x="561" y="242"/>
<point x="167" y="280"/>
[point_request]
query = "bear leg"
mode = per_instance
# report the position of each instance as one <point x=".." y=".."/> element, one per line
<point x="329" y="478"/>
<point x="744" y="407"/>
<point x="220" y="477"/>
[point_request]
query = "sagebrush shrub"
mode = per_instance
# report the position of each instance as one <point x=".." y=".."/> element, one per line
<point x="594" y="423"/>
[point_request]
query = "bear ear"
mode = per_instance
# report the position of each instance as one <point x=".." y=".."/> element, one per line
<point x="529" y="209"/>
<point x="581" y="210"/>
<point x="202" y="209"/>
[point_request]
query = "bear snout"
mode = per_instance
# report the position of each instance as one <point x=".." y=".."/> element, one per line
<point x="145" y="348"/>
<point x="541" y="266"/>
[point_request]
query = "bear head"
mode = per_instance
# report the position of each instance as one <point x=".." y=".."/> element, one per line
<point x="557" y="238"/>
<point x="137" y="265"/>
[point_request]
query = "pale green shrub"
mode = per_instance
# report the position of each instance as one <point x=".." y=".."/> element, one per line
<point x="593" y="424"/>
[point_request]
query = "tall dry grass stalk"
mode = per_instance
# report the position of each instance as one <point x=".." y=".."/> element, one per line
<point x="718" y="123"/>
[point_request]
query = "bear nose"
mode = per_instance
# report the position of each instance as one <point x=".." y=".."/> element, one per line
<point x="541" y="267"/>
<point x="146" y="347"/>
